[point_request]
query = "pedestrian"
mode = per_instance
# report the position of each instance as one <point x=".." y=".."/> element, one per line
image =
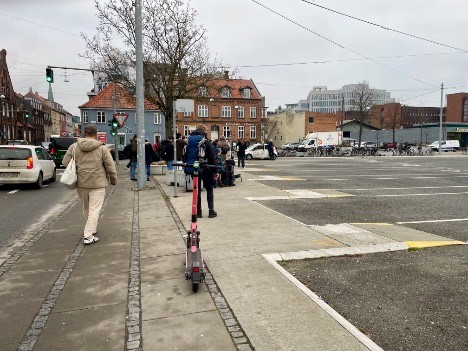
<point x="223" y="144"/>
<point x="156" y="145"/>
<point x="241" y="147"/>
<point x="180" y="144"/>
<point x="167" y="152"/>
<point x="94" y="168"/>
<point x="150" y="156"/>
<point x="271" y="149"/>
<point x="207" y="175"/>
<point x="131" y="152"/>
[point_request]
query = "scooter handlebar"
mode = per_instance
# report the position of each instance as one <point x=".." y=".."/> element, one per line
<point x="203" y="164"/>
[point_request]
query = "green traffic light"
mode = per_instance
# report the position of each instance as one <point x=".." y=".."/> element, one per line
<point x="26" y="115"/>
<point x="49" y="75"/>
<point x="115" y="124"/>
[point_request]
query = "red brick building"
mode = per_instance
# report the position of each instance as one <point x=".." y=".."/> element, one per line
<point x="230" y="107"/>
<point x="457" y="107"/>
<point x="320" y="121"/>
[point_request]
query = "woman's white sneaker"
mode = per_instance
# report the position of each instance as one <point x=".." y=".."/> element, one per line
<point x="90" y="240"/>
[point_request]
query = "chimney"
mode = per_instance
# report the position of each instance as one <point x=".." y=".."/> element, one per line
<point x="226" y="75"/>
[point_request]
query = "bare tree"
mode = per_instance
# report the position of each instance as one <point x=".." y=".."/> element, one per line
<point x="176" y="59"/>
<point x="362" y="100"/>
<point x="394" y="118"/>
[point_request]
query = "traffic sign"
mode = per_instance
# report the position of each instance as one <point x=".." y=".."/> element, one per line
<point x="121" y="118"/>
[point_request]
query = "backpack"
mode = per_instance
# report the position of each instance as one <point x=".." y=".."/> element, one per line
<point x="163" y="152"/>
<point x="194" y="151"/>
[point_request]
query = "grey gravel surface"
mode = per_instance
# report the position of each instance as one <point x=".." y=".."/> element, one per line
<point x="405" y="301"/>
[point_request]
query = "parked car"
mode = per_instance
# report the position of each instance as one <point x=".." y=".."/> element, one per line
<point x="446" y="145"/>
<point x="59" y="147"/>
<point x="291" y="146"/>
<point x="23" y="164"/>
<point x="368" y="144"/>
<point x="258" y="151"/>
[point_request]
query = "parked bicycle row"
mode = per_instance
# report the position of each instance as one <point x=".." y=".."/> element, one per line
<point x="331" y="151"/>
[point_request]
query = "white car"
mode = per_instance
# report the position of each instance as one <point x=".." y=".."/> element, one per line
<point x="23" y="164"/>
<point x="258" y="151"/>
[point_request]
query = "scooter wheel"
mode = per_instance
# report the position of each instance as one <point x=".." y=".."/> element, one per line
<point x="195" y="287"/>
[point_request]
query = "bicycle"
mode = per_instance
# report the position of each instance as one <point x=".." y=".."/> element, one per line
<point x="194" y="263"/>
<point x="465" y="151"/>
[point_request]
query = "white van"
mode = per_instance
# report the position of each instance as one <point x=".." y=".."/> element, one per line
<point x="446" y="145"/>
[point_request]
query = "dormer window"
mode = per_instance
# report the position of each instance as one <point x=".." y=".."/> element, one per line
<point x="246" y="93"/>
<point x="202" y="91"/>
<point x="225" y="92"/>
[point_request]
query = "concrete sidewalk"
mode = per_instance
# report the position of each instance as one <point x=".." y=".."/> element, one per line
<point x="128" y="291"/>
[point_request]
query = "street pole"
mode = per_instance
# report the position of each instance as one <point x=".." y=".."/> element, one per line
<point x="116" y="148"/>
<point x="140" y="107"/>
<point x="440" y="117"/>
<point x="174" y="168"/>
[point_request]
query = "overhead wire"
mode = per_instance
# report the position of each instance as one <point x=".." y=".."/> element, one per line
<point x="383" y="27"/>
<point x="39" y="24"/>
<point x="340" y="45"/>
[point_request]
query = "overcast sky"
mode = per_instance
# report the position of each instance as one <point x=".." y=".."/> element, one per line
<point x="242" y="33"/>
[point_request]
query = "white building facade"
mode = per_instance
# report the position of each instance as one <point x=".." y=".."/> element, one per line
<point x="320" y="99"/>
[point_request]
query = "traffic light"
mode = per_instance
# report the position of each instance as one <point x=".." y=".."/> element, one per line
<point x="26" y="114"/>
<point x="113" y="131"/>
<point x="49" y="75"/>
<point x="115" y="125"/>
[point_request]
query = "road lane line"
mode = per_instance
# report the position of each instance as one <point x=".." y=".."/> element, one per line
<point x="432" y="194"/>
<point x="13" y="191"/>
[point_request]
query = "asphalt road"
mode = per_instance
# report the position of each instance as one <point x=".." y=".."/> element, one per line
<point x="413" y="300"/>
<point x="22" y="208"/>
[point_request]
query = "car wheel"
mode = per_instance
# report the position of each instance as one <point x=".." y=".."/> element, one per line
<point x="39" y="180"/>
<point x="54" y="176"/>
<point x="248" y="157"/>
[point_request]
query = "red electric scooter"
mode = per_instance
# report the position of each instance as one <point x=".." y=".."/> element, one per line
<point x="194" y="264"/>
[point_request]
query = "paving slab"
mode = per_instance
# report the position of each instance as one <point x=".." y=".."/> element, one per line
<point x="83" y="292"/>
<point x="100" y="328"/>
<point x="400" y="232"/>
<point x="162" y="267"/>
<point x="154" y="248"/>
<point x="98" y="263"/>
<point x="172" y="297"/>
<point x="119" y="245"/>
<point x="15" y="318"/>
<point x="57" y="243"/>
<point x="41" y="261"/>
<point x="195" y="331"/>
<point x="26" y="285"/>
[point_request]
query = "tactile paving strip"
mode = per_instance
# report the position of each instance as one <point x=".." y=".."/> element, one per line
<point x="350" y="235"/>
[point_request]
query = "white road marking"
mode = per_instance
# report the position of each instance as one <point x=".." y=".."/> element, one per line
<point x="13" y="191"/>
<point x="431" y="194"/>
<point x="435" y="221"/>
<point x="384" y="178"/>
<point x="402" y="188"/>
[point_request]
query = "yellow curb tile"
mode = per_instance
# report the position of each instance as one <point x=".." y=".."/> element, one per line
<point x="423" y="244"/>
<point x="292" y="178"/>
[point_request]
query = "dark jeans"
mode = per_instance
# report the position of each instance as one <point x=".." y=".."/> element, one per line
<point x="240" y="161"/>
<point x="271" y="154"/>
<point x="208" y="180"/>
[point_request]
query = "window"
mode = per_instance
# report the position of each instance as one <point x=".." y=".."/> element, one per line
<point x="186" y="130"/>
<point x="225" y="111"/>
<point x="156" y="137"/>
<point x="246" y="93"/>
<point x="227" y="131"/>
<point x="157" y="118"/>
<point x="240" y="132"/>
<point x="253" y="112"/>
<point x="311" y="120"/>
<point x="240" y="111"/>
<point x="202" y="111"/>
<point x="225" y="92"/>
<point x="101" y="117"/>
<point x="253" y="132"/>
<point x="187" y="114"/>
<point x="202" y="91"/>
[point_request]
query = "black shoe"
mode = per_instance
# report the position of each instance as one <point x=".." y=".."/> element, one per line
<point x="147" y="179"/>
<point x="134" y="179"/>
<point x="199" y="214"/>
<point x="212" y="214"/>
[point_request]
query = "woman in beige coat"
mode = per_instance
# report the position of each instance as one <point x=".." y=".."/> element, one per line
<point x="95" y="168"/>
